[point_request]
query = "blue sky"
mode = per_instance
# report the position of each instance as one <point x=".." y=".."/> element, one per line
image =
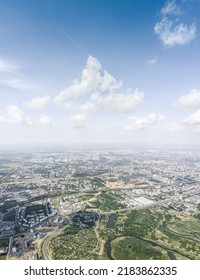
<point x="100" y="72"/>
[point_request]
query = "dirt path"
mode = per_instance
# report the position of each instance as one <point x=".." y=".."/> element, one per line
<point x="101" y="249"/>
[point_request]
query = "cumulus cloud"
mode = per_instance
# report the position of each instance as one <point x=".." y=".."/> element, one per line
<point x="45" y="120"/>
<point x="15" y="115"/>
<point x="144" y="123"/>
<point x="79" y="120"/>
<point x="193" y="121"/>
<point x="172" y="34"/>
<point x="171" y="8"/>
<point x="190" y="100"/>
<point x="119" y="102"/>
<point x="88" y="83"/>
<point x="170" y="31"/>
<point x="38" y="103"/>
<point x="99" y="89"/>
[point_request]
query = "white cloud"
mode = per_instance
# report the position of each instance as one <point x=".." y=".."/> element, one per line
<point x="190" y="100"/>
<point x="89" y="82"/>
<point x="108" y="83"/>
<point x="19" y="85"/>
<point x="193" y="121"/>
<point x="6" y="66"/>
<point x="119" y="102"/>
<point x="79" y="120"/>
<point x="38" y="103"/>
<point x="99" y="89"/>
<point x="152" y="61"/>
<point x="15" y="115"/>
<point x="171" y="8"/>
<point x="45" y="120"/>
<point x="172" y="34"/>
<point x="144" y="123"/>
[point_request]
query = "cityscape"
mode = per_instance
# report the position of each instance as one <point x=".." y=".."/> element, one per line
<point x="100" y="204"/>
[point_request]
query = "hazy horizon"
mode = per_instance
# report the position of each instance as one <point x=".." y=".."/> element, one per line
<point x="28" y="148"/>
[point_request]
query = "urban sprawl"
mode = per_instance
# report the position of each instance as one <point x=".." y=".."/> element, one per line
<point x="89" y="204"/>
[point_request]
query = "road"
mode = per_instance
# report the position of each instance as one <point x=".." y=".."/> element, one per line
<point x="44" y="246"/>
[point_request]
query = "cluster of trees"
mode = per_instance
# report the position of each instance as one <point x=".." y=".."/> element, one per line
<point x="134" y="249"/>
<point x="141" y="222"/>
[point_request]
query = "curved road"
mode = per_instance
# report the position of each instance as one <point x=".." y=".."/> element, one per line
<point x="44" y="246"/>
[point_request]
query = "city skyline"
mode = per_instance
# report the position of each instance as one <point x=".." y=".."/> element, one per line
<point x="100" y="72"/>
